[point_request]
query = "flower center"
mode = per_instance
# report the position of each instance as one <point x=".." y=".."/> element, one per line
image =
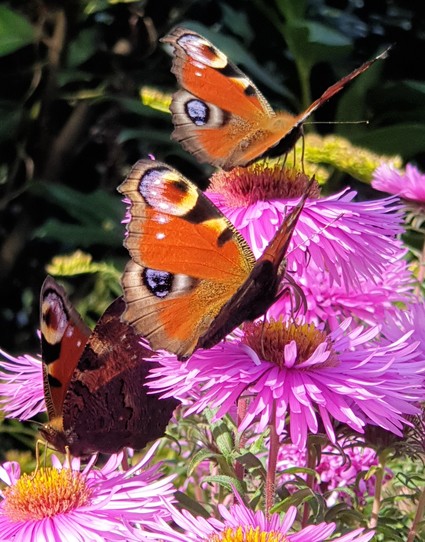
<point x="247" y="534"/>
<point x="48" y="493"/>
<point x="246" y="185"/>
<point x="268" y="340"/>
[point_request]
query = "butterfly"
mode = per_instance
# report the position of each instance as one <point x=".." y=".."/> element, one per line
<point x="192" y="278"/>
<point x="220" y="116"/>
<point x="94" y="381"/>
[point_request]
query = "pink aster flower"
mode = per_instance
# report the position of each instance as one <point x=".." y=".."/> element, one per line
<point x="240" y="523"/>
<point x="409" y="185"/>
<point x="409" y="319"/>
<point x="61" y="503"/>
<point x="21" y="386"/>
<point x="302" y="371"/>
<point x="332" y="303"/>
<point x="349" y="239"/>
<point x="338" y="468"/>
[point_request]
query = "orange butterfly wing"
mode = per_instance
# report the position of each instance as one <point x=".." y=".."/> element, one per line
<point x="220" y="116"/>
<point x="188" y="259"/>
<point x="64" y="336"/>
<point x="192" y="278"/>
<point x="261" y="289"/>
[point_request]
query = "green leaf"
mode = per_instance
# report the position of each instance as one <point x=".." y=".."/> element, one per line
<point x="191" y="505"/>
<point x="78" y="235"/>
<point x="223" y="438"/>
<point x="15" y="31"/>
<point x="91" y="209"/>
<point x="227" y="482"/>
<point x="252" y="463"/>
<point x="98" y="216"/>
<point x="202" y="455"/>
<point x="11" y="115"/>
<point x="292" y="9"/>
<point x="83" y="47"/>
<point x="405" y="139"/>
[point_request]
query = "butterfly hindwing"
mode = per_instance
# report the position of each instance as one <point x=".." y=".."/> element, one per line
<point x="220" y="116"/>
<point x="187" y="258"/>
<point x="105" y="404"/>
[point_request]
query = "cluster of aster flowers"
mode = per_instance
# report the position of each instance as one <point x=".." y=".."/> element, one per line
<point x="342" y="348"/>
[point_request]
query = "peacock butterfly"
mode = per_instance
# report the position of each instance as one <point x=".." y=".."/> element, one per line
<point x="220" y="116"/>
<point x="94" y="381"/>
<point x="192" y="278"/>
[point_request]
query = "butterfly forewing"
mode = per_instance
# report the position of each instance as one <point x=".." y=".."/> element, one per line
<point x="187" y="258"/>
<point x="220" y="116"/>
<point x="206" y="73"/>
<point x="261" y="289"/>
<point x="63" y="338"/>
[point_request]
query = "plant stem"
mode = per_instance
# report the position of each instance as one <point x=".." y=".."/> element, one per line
<point x="311" y="464"/>
<point x="242" y="406"/>
<point x="418" y="517"/>
<point x="272" y="462"/>
<point x="379" y="478"/>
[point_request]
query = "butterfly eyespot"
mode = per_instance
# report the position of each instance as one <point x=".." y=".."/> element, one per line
<point x="198" y="112"/>
<point x="165" y="192"/>
<point x="159" y="283"/>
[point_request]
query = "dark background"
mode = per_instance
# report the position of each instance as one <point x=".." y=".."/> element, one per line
<point x="72" y="121"/>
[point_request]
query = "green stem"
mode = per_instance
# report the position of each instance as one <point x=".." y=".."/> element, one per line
<point x="379" y="478"/>
<point x="418" y="518"/>
<point x="311" y="464"/>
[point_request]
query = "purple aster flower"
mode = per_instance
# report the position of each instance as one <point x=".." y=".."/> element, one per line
<point x="61" y="503"/>
<point x="331" y="303"/>
<point x="349" y="239"/>
<point x="240" y="523"/>
<point x="409" y="319"/>
<point x="302" y="371"/>
<point x="21" y="386"/>
<point x="338" y="468"/>
<point x="409" y="185"/>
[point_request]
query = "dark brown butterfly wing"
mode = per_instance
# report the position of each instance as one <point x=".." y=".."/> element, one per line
<point x="107" y="406"/>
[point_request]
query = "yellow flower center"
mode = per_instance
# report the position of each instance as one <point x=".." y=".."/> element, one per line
<point x="268" y="340"/>
<point x="48" y="493"/>
<point x="247" y="534"/>
<point x="259" y="182"/>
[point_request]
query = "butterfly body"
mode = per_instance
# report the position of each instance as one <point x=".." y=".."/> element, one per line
<point x="192" y="278"/>
<point x="220" y="116"/>
<point x="103" y="405"/>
